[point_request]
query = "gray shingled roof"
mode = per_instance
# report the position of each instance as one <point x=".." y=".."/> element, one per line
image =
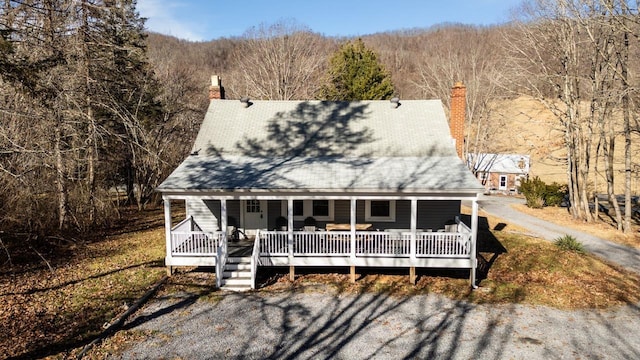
<point x="500" y="163"/>
<point x="323" y="146"/>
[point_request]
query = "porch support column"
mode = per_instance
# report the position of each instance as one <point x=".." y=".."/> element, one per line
<point x="167" y="232"/>
<point x="474" y="240"/>
<point x="414" y="225"/>
<point x="290" y="231"/>
<point x="412" y="246"/>
<point x="353" y="239"/>
<point x="353" y="228"/>
<point x="223" y="219"/>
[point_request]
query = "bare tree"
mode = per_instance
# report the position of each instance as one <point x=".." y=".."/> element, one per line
<point x="446" y="60"/>
<point x="282" y="61"/>
<point x="545" y="51"/>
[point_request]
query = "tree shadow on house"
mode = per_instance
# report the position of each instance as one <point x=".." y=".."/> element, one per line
<point x="320" y="133"/>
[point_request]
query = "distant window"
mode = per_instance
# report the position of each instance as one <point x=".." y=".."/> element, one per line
<point x="380" y="210"/>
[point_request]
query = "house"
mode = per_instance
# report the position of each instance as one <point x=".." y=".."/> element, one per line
<point x="322" y="183"/>
<point x="500" y="173"/>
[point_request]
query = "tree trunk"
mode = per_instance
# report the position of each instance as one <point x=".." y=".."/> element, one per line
<point x="61" y="179"/>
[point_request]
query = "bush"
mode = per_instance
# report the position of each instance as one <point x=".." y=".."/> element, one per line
<point x="569" y="243"/>
<point x="555" y="194"/>
<point x="539" y="194"/>
<point x="533" y="191"/>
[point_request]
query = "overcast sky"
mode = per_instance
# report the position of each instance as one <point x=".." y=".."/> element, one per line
<point x="201" y="20"/>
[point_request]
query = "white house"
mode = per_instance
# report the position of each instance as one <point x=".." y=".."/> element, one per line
<point x="379" y="184"/>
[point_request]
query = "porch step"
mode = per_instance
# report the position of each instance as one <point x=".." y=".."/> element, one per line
<point x="237" y="274"/>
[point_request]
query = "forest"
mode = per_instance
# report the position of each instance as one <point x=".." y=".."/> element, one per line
<point x="95" y="111"/>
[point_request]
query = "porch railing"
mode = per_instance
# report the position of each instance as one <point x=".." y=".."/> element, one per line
<point x="187" y="239"/>
<point x="368" y="243"/>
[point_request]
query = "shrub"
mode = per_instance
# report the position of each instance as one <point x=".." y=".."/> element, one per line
<point x="539" y="194"/>
<point x="569" y="243"/>
<point x="533" y="191"/>
<point x="555" y="194"/>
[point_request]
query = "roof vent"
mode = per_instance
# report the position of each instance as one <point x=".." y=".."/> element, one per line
<point x="395" y="102"/>
<point x="246" y="102"/>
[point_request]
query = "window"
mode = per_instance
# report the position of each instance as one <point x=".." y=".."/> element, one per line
<point x="321" y="210"/>
<point x="380" y="210"/>
<point x="298" y="208"/>
<point x="253" y="206"/>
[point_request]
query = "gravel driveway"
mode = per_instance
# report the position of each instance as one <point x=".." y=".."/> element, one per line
<point x="373" y="326"/>
<point x="620" y="254"/>
<point x="322" y="325"/>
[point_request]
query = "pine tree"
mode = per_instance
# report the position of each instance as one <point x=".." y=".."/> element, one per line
<point x="356" y="74"/>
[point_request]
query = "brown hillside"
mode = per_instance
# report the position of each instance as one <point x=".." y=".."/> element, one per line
<point x="529" y="128"/>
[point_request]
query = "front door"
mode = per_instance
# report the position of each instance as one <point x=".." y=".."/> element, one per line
<point x="503" y="182"/>
<point x="255" y="215"/>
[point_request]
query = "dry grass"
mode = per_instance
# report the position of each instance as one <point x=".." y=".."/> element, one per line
<point x="604" y="228"/>
<point x="49" y="312"/>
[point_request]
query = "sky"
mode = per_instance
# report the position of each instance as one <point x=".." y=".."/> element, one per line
<point x="203" y="20"/>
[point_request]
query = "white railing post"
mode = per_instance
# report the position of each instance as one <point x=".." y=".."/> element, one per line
<point x="474" y="239"/>
<point x="353" y="228"/>
<point x="414" y="225"/>
<point x="290" y="229"/>
<point x="223" y="218"/>
<point x="167" y="230"/>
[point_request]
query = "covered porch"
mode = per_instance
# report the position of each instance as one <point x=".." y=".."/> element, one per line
<point x="348" y="243"/>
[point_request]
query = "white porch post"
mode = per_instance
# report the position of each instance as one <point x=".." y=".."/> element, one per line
<point x="290" y="228"/>
<point x="353" y="228"/>
<point x="167" y="231"/>
<point x="474" y="240"/>
<point x="414" y="225"/>
<point x="223" y="219"/>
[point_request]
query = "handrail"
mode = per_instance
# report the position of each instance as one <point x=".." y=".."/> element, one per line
<point x="178" y="226"/>
<point x="255" y="259"/>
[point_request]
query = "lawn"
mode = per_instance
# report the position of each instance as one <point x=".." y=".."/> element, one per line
<point x="55" y="312"/>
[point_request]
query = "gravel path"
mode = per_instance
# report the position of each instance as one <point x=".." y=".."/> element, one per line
<point x="369" y="326"/>
<point x="620" y="254"/>
<point x="323" y="325"/>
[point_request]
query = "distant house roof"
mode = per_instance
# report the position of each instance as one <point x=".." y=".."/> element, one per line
<point x="302" y="146"/>
<point x="500" y="163"/>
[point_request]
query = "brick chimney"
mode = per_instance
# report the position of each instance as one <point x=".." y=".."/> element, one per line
<point x="216" y="91"/>
<point x="457" y="115"/>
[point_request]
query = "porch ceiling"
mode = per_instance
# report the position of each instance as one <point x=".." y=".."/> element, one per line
<point x="433" y="174"/>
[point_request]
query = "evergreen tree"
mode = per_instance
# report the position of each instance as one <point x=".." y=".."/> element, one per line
<point x="356" y="74"/>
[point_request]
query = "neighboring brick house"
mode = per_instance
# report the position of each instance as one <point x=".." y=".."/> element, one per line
<point x="500" y="173"/>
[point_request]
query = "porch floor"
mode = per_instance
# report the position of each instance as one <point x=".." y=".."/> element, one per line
<point x="240" y="248"/>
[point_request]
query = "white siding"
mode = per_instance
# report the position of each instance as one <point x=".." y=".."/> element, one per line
<point x="203" y="213"/>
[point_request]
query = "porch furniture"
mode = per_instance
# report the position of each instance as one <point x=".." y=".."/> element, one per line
<point x="347" y="227"/>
